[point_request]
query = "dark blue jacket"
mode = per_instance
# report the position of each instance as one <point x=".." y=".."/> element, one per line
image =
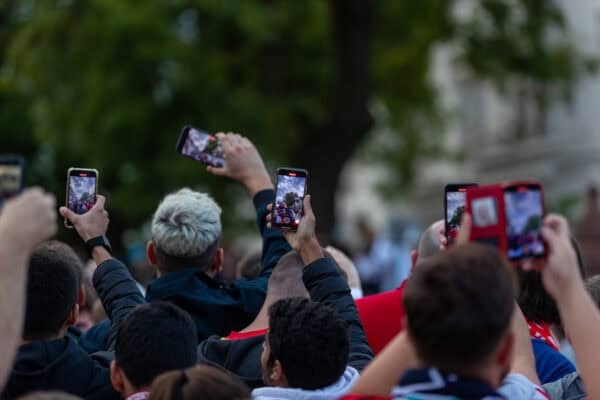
<point x="218" y="307"/>
<point x="62" y="364"/>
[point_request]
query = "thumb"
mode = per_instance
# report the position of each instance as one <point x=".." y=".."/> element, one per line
<point x="100" y="200"/>
<point x="67" y="213"/>
<point x="464" y="234"/>
<point x="307" y="206"/>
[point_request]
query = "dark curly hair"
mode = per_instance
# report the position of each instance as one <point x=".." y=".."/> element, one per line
<point x="310" y="340"/>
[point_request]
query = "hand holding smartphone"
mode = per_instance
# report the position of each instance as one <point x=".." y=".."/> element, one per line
<point x="82" y="188"/>
<point x="200" y="146"/>
<point x="11" y="176"/>
<point x="290" y="190"/>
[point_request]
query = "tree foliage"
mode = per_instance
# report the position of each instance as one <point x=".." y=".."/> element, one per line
<point x="109" y="83"/>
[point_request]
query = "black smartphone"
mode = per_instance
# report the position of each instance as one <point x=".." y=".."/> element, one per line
<point x="82" y="188"/>
<point x="455" y="201"/>
<point x="524" y="208"/>
<point x="11" y="176"/>
<point x="200" y="146"/>
<point x="288" y="207"/>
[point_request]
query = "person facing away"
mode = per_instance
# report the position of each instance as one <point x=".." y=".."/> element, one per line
<point x="198" y="383"/>
<point x="459" y="307"/>
<point x="185" y="248"/>
<point x="49" y="359"/>
<point x="155" y="338"/>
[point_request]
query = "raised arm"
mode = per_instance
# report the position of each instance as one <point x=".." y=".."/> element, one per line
<point x="580" y="317"/>
<point x="25" y="222"/>
<point x="325" y="284"/>
<point x="245" y="165"/>
<point x="114" y="284"/>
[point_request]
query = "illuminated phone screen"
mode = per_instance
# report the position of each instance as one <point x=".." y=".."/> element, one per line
<point x="524" y="213"/>
<point x="82" y="193"/>
<point x="288" y="208"/>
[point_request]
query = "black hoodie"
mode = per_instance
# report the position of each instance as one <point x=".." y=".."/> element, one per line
<point x="59" y="365"/>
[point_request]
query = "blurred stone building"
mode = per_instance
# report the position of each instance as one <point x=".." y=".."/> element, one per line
<point x="505" y="137"/>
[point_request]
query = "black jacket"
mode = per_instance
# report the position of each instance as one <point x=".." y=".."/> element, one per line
<point x="325" y="284"/>
<point x="218" y="307"/>
<point x="62" y="364"/>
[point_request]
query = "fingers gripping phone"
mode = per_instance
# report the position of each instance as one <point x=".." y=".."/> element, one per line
<point x="288" y="207"/>
<point x="455" y="201"/>
<point x="200" y="146"/>
<point x="82" y="188"/>
<point x="11" y="176"/>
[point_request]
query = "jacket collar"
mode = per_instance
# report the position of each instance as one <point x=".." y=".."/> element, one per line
<point x="433" y="381"/>
<point x="176" y="282"/>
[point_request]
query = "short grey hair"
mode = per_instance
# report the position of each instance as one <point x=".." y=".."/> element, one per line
<point x="186" y="223"/>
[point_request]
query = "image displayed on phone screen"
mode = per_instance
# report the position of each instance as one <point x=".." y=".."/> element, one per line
<point x="10" y="180"/>
<point x="288" y="200"/>
<point x="524" y="213"/>
<point x="82" y="193"/>
<point x="203" y="147"/>
<point x="455" y="207"/>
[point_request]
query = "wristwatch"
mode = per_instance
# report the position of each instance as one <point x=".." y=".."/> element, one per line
<point x="98" y="241"/>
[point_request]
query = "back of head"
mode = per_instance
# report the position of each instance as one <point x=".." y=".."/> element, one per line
<point x="593" y="287"/>
<point x="459" y="306"/>
<point x="198" y="383"/>
<point x="310" y="340"/>
<point x="52" y="290"/>
<point x="49" y="396"/>
<point x="186" y="229"/>
<point x="537" y="305"/>
<point x="429" y="243"/>
<point x="286" y="279"/>
<point x="155" y="338"/>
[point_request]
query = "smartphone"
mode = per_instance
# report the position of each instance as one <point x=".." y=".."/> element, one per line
<point x="82" y="188"/>
<point x="11" y="176"/>
<point x="288" y="207"/>
<point x="455" y="201"/>
<point x="524" y="208"/>
<point x="200" y="146"/>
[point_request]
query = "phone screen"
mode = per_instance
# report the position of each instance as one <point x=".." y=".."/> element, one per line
<point x="455" y="207"/>
<point x="524" y="212"/>
<point x="288" y="209"/>
<point x="10" y="180"/>
<point x="202" y="147"/>
<point x="82" y="191"/>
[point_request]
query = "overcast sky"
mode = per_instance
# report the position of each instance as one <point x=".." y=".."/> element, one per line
<point x="288" y="184"/>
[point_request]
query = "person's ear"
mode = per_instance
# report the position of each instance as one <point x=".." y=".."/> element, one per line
<point x="81" y="296"/>
<point x="277" y="375"/>
<point x="116" y="377"/>
<point x="414" y="256"/>
<point x="151" y="253"/>
<point x="218" y="261"/>
<point x="504" y="355"/>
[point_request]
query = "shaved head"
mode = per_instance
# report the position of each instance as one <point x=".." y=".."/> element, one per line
<point x="429" y="244"/>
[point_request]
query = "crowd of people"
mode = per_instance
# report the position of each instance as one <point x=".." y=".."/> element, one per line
<point x="466" y="324"/>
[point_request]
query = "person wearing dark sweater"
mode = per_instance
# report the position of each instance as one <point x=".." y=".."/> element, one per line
<point x="185" y="248"/>
<point x="312" y="346"/>
<point x="48" y="358"/>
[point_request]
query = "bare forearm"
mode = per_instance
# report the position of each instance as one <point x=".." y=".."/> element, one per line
<point x="100" y="255"/>
<point x="258" y="183"/>
<point x="13" y="270"/>
<point x="581" y="319"/>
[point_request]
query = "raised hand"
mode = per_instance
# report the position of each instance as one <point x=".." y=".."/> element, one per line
<point x="243" y="163"/>
<point x="93" y="223"/>
<point x="304" y="240"/>
<point x="29" y="219"/>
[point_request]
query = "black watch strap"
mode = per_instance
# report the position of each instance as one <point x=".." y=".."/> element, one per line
<point x="98" y="241"/>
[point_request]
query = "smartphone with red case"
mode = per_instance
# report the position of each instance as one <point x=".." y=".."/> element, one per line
<point x="509" y="216"/>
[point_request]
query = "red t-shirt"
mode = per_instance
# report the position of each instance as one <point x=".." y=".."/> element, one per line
<point x="245" y="335"/>
<point x="381" y="315"/>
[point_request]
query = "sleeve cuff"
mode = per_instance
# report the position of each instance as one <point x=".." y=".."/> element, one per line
<point x="262" y="198"/>
<point x="105" y="268"/>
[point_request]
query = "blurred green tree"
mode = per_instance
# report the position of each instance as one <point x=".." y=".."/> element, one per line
<point x="109" y="83"/>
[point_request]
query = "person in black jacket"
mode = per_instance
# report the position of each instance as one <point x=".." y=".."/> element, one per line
<point x="185" y="248"/>
<point x="313" y="346"/>
<point x="49" y="359"/>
